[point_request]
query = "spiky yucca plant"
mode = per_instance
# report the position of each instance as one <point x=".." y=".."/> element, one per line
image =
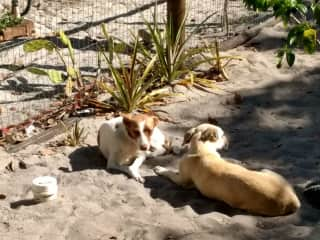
<point x="75" y="136"/>
<point x="132" y="88"/>
<point x="171" y="48"/>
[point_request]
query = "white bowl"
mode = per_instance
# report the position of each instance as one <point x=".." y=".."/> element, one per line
<point x="44" y="188"/>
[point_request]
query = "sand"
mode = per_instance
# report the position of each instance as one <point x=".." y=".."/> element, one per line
<point x="276" y="126"/>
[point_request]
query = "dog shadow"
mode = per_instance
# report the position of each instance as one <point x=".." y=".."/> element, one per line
<point x="89" y="157"/>
<point x="177" y="197"/>
<point x="86" y="158"/>
<point x="23" y="202"/>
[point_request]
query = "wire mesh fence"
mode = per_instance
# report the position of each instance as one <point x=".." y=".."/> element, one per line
<point x="23" y="94"/>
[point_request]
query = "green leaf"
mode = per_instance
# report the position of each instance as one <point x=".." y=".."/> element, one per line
<point x="316" y="12"/>
<point x="104" y="31"/>
<point x="36" y="45"/>
<point x="292" y="40"/>
<point x="302" y="8"/>
<point x="280" y="56"/>
<point x="290" y="58"/>
<point x="68" y="88"/>
<point x="64" y="39"/>
<point x="37" y="71"/>
<point x="310" y="40"/>
<point x="55" y="76"/>
<point x="72" y="72"/>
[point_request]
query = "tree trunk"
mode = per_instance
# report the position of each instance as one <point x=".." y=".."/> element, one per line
<point x="176" y="10"/>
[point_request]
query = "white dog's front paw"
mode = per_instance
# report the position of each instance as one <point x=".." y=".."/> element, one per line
<point x="159" y="170"/>
<point x="136" y="175"/>
<point x="139" y="179"/>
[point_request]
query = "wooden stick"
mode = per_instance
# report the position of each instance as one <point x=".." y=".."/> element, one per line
<point x="245" y="36"/>
<point x="42" y="137"/>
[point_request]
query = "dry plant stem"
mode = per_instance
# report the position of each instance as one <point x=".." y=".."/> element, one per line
<point x="61" y="57"/>
<point x="219" y="66"/>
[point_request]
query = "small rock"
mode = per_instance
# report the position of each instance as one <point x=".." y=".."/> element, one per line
<point x="176" y="150"/>
<point x="22" y="165"/>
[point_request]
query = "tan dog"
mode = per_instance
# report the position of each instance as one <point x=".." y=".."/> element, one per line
<point x="265" y="192"/>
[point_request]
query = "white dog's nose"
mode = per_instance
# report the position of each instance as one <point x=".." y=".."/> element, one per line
<point x="144" y="147"/>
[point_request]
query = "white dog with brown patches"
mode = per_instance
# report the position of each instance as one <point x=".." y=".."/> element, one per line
<point x="260" y="192"/>
<point x="126" y="141"/>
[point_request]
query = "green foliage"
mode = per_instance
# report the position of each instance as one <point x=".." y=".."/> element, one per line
<point x="316" y="11"/>
<point x="38" y="44"/>
<point x="110" y="42"/>
<point x="171" y="49"/>
<point x="302" y="34"/>
<point x="55" y="76"/>
<point x="75" y="136"/>
<point x="131" y="83"/>
<point x="73" y="77"/>
<point x="37" y="71"/>
<point x="66" y="41"/>
<point x="8" y="20"/>
<point x="218" y="62"/>
<point x="281" y="8"/>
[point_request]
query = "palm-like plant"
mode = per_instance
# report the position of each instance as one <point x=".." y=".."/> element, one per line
<point x="133" y="84"/>
<point x="171" y="48"/>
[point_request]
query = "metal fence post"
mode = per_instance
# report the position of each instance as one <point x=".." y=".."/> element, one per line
<point x="176" y="10"/>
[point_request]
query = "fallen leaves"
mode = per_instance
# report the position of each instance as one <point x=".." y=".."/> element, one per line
<point x="46" y="152"/>
<point x="236" y="99"/>
<point x="212" y="120"/>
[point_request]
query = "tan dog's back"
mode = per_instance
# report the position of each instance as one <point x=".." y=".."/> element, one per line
<point x="262" y="192"/>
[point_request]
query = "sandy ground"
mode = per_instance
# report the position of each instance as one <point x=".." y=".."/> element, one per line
<point x="276" y="127"/>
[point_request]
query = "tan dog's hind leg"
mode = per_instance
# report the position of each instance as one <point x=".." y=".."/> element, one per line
<point x="174" y="176"/>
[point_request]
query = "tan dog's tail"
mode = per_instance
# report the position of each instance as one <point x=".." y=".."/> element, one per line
<point x="295" y="204"/>
<point x="292" y="202"/>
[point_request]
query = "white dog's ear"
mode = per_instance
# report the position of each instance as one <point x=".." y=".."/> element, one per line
<point x="127" y="120"/>
<point x="188" y="135"/>
<point x="126" y="116"/>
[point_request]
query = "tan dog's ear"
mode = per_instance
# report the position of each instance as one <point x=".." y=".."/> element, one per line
<point x="155" y="121"/>
<point x="188" y="135"/>
<point x="209" y="134"/>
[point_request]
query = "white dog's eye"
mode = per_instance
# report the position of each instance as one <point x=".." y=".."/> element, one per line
<point x="136" y="133"/>
<point x="147" y="131"/>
